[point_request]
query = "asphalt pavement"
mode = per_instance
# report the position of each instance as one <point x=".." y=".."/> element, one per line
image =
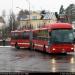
<point x="24" y="60"/>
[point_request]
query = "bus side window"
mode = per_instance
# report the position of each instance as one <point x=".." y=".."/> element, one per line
<point x="25" y="35"/>
<point x="16" y="35"/>
<point x="34" y="36"/>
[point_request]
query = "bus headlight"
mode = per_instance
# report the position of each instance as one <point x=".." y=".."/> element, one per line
<point x="72" y="48"/>
<point x="53" y="49"/>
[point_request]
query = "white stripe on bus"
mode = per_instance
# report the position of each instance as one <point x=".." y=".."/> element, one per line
<point x="29" y="43"/>
<point x="20" y="43"/>
<point x="40" y="45"/>
<point x="23" y="43"/>
<point x="12" y="43"/>
<point x="46" y="46"/>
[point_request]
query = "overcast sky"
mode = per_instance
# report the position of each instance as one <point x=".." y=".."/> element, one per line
<point x="51" y="5"/>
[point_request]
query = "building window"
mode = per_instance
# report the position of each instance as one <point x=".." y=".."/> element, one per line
<point x="34" y="17"/>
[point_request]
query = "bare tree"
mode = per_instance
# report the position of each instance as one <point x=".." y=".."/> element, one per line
<point x="12" y="22"/>
<point x="61" y="9"/>
<point x="23" y="14"/>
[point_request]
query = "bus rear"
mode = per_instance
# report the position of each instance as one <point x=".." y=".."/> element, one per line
<point x="20" y="39"/>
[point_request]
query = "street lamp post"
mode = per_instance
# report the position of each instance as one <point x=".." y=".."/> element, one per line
<point x="30" y="25"/>
<point x="20" y="19"/>
<point x="12" y="21"/>
<point x="12" y="15"/>
<point x="29" y="13"/>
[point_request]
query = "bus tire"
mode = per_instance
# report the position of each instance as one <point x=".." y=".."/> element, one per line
<point x="16" y="46"/>
<point x="44" y="49"/>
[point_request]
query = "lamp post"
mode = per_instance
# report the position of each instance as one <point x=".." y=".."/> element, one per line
<point x="12" y="14"/>
<point x="30" y="25"/>
<point x="29" y="13"/>
<point x="20" y="19"/>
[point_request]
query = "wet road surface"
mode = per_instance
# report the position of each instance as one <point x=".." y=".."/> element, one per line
<point x="22" y="60"/>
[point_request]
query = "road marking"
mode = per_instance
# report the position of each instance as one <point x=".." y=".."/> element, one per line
<point x="5" y="46"/>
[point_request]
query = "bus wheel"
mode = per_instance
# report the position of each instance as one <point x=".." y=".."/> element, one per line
<point x="16" y="46"/>
<point x="44" y="48"/>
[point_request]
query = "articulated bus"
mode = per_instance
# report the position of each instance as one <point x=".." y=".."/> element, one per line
<point x="54" y="38"/>
<point x="20" y="38"/>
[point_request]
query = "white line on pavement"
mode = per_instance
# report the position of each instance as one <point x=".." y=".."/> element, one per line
<point x="5" y="46"/>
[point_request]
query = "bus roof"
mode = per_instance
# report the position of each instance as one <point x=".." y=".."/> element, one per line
<point x="59" y="26"/>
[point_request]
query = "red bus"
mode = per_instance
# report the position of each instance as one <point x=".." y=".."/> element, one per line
<point x="20" y="38"/>
<point x="54" y="38"/>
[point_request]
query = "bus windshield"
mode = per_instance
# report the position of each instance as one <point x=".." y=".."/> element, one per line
<point x="62" y="36"/>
